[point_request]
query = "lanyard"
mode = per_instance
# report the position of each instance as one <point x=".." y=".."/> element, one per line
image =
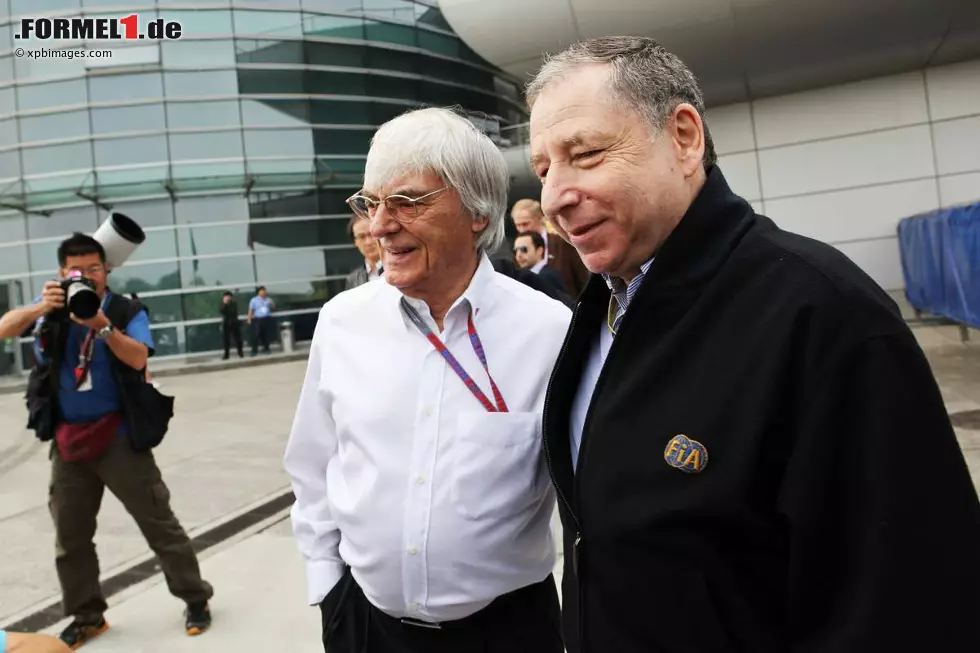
<point x="85" y="353"/>
<point x="417" y="320"/>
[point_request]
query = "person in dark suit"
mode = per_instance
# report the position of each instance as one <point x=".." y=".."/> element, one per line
<point x="359" y="229"/>
<point x="749" y="448"/>
<point x="230" y="325"/>
<point x="560" y="256"/>
<point x="529" y="253"/>
<point x="508" y="268"/>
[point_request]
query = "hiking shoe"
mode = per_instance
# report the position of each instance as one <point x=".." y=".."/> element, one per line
<point x="77" y="633"/>
<point x="198" y="618"/>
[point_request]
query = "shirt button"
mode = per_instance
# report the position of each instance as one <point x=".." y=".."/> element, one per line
<point x="427" y="412"/>
<point x="412" y="550"/>
<point x="420" y="480"/>
<point x="414" y="607"/>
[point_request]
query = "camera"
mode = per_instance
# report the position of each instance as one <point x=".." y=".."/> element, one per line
<point x="80" y="297"/>
<point x="119" y="235"/>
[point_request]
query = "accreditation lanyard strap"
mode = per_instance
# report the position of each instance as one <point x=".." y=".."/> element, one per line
<point x="439" y="346"/>
<point x="86" y="352"/>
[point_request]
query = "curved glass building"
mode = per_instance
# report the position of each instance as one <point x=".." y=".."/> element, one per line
<point x="234" y="146"/>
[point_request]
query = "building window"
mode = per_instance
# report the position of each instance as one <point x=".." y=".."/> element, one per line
<point x="218" y="272"/>
<point x="275" y="113"/>
<point x="52" y="94"/>
<point x="196" y="84"/>
<point x="334" y="27"/>
<point x="206" y="145"/>
<point x="223" y="113"/>
<point x="143" y="117"/>
<point x="193" y="54"/>
<point x="130" y="151"/>
<point x="268" y="23"/>
<point x="55" y="158"/>
<point x="109" y="88"/>
<point x="200" y="23"/>
<point x="73" y="124"/>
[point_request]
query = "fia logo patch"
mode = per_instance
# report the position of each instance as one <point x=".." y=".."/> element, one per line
<point x="685" y="454"/>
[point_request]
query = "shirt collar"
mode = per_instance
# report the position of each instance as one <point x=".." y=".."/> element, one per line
<point x="624" y="292"/>
<point x="476" y="297"/>
<point x="537" y="267"/>
<point x="372" y="268"/>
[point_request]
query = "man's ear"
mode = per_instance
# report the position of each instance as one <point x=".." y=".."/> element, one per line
<point x="480" y="224"/>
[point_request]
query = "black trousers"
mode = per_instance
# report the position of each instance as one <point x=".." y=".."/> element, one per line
<point x="232" y="332"/>
<point x="263" y="330"/>
<point x="527" y="620"/>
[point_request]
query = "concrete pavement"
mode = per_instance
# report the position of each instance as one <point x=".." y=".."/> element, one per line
<point x="222" y="456"/>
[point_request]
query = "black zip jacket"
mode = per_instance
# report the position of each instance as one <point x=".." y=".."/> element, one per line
<point x="835" y="513"/>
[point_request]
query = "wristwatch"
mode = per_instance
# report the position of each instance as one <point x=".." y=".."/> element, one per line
<point x="104" y="332"/>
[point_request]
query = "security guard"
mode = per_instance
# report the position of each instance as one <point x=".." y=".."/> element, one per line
<point x="750" y="450"/>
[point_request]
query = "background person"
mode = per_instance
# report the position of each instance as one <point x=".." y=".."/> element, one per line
<point x="231" y="328"/>
<point x="529" y="252"/>
<point x="360" y="232"/>
<point x="561" y="256"/>
<point x="260" y="320"/>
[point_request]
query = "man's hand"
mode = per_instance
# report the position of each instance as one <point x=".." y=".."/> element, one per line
<point x="96" y="323"/>
<point x="31" y="643"/>
<point x="52" y="297"/>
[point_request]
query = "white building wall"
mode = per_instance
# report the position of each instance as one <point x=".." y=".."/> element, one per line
<point x="844" y="164"/>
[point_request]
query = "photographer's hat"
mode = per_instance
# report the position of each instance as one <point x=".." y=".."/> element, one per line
<point x="120" y="236"/>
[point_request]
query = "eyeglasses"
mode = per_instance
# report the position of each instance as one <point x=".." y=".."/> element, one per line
<point x="522" y="249"/>
<point x="90" y="271"/>
<point x="400" y="207"/>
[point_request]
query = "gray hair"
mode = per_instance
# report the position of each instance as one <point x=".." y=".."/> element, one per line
<point x="452" y="147"/>
<point x="644" y="76"/>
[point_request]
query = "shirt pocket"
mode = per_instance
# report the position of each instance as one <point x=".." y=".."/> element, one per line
<point x="496" y="462"/>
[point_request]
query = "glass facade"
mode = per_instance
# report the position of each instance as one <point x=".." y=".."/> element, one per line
<point x="233" y="147"/>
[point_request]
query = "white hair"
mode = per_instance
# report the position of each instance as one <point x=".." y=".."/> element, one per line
<point x="452" y="147"/>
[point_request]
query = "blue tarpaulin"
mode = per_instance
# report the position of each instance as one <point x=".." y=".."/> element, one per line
<point x="941" y="262"/>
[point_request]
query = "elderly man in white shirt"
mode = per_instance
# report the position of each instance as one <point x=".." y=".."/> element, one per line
<point x="423" y="501"/>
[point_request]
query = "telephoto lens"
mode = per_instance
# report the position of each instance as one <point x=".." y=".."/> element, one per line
<point x="80" y="297"/>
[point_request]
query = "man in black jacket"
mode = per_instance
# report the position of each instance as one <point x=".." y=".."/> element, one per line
<point x="750" y="450"/>
<point x="230" y="325"/>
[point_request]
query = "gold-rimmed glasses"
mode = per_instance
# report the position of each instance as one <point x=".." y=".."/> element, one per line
<point x="402" y="208"/>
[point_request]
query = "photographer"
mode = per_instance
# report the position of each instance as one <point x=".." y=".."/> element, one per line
<point x="88" y="394"/>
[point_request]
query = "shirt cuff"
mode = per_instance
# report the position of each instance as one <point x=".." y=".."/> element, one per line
<point x="321" y="576"/>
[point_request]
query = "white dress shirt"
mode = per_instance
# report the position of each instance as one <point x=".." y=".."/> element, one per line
<point x="437" y="505"/>
<point x="373" y="271"/>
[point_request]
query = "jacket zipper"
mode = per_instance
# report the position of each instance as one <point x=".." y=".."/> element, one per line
<point x="561" y="495"/>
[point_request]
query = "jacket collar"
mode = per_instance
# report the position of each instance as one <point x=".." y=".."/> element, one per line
<point x="698" y="246"/>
